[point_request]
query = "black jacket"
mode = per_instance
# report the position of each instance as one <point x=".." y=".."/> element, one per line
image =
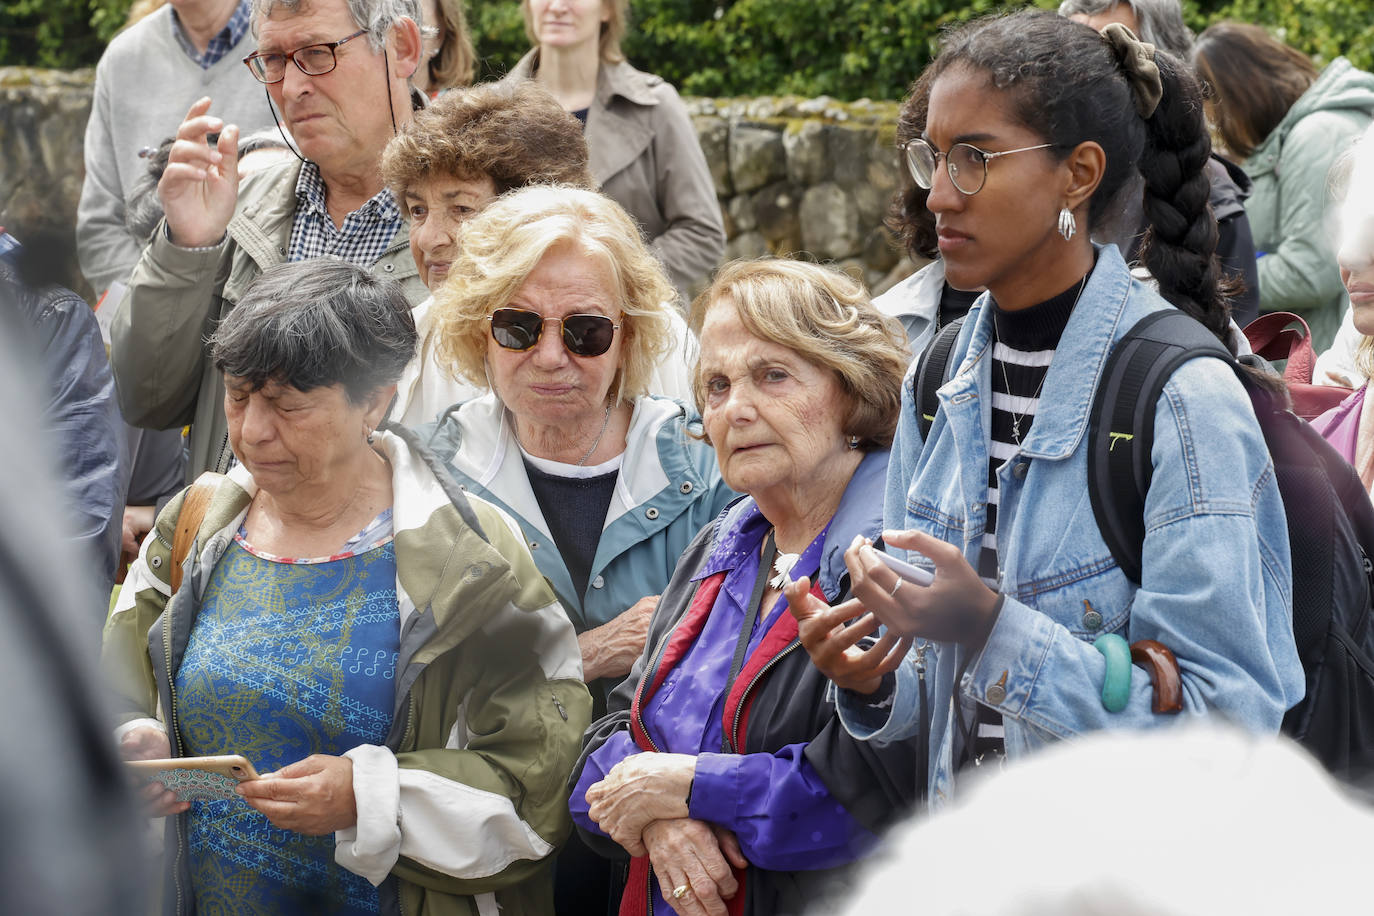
<point x="789" y="704"/>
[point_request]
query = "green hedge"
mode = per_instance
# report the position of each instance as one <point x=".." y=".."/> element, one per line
<point x="843" y="48"/>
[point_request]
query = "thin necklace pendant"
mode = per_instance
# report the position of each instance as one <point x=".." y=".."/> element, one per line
<point x="605" y="422"/>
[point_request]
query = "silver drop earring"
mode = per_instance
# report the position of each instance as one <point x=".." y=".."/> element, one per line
<point x="853" y="442"/>
<point x="1067" y="224"/>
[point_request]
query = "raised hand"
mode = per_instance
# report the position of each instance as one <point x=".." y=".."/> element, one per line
<point x="831" y="640"/>
<point x="956" y="607"/>
<point x="200" y="186"/>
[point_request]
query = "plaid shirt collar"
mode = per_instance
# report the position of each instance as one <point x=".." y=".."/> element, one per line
<point x="221" y="44"/>
<point x="362" y="239"/>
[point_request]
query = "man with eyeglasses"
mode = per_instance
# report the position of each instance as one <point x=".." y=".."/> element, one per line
<point x="146" y="79"/>
<point x="337" y="72"/>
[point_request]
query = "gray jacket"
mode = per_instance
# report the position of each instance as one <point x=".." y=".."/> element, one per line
<point x="177" y="296"/>
<point x="646" y="156"/>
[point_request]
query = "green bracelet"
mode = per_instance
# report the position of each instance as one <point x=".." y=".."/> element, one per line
<point x="1116" y="686"/>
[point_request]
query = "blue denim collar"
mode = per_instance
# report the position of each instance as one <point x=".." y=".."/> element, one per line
<point x="1061" y="422"/>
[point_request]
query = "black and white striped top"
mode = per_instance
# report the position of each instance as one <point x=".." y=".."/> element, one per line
<point x="1024" y="345"/>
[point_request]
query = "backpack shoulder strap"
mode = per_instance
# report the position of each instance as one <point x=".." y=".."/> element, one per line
<point x="1122" y="424"/>
<point x="190" y="518"/>
<point x="932" y="371"/>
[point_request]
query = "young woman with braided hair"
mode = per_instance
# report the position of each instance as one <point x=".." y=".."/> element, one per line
<point x="1036" y="125"/>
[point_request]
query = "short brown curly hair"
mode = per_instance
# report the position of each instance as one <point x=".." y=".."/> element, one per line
<point x="824" y="316"/>
<point x="516" y="135"/>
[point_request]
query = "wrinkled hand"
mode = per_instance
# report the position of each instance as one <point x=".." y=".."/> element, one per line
<point x="138" y="521"/>
<point x="610" y="650"/>
<point x="638" y="790"/>
<point x="313" y="796"/>
<point x="696" y="854"/>
<point x="200" y="186"/>
<point x="831" y="643"/>
<point x="148" y="743"/>
<point x="956" y="607"/>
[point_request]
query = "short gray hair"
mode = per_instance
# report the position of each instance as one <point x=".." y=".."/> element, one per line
<point x="317" y="323"/>
<point x="376" y="16"/>
<point x="1161" y="21"/>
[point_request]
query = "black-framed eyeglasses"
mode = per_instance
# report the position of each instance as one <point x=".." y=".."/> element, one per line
<point x="583" y="335"/>
<point x="312" y="60"/>
<point x="966" y="164"/>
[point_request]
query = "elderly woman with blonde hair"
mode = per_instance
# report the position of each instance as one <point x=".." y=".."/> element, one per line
<point x="722" y="768"/>
<point x="556" y="307"/>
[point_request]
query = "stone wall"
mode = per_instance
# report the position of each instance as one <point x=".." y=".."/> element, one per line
<point x="43" y="117"/>
<point x="793" y="175"/>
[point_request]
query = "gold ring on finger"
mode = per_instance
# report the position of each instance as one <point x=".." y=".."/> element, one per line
<point x="681" y="891"/>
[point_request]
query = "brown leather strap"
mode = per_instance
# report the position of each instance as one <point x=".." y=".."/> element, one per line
<point x="1159" y="661"/>
<point x="192" y="514"/>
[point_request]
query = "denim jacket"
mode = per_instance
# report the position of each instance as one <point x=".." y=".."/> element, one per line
<point x="1217" y="577"/>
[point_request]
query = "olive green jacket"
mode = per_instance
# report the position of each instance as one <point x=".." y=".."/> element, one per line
<point x="460" y="811"/>
<point x="177" y="296"/>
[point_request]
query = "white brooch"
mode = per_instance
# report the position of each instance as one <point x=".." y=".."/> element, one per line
<point x="783" y="566"/>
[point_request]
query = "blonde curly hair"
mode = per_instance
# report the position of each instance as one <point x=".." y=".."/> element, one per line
<point x="500" y="248"/>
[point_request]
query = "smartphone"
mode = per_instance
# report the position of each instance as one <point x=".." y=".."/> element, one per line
<point x="914" y="574"/>
<point x="196" y="778"/>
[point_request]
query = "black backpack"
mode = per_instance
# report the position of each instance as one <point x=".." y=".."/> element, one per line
<point x="1330" y="519"/>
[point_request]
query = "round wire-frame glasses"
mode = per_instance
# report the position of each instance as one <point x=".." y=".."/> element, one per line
<point x="966" y="164"/>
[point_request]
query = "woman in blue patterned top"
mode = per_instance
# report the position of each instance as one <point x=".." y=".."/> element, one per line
<point x="379" y="643"/>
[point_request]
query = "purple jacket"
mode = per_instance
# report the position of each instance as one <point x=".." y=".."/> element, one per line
<point x="804" y="798"/>
<point x="1340" y="425"/>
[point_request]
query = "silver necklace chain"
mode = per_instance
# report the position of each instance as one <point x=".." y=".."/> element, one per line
<point x="605" y="422"/>
<point x="997" y="336"/>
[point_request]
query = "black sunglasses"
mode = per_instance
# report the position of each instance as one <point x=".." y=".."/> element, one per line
<point x="583" y="335"/>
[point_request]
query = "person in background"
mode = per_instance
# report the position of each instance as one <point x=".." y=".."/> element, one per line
<point x="454" y="158"/>
<point x="146" y="79"/>
<point x="69" y="829"/>
<point x="1026" y="598"/>
<point x="644" y="150"/>
<point x="354" y="624"/>
<point x="158" y="470"/>
<point x="721" y="767"/>
<point x="80" y="417"/>
<point x="1286" y="124"/>
<point x="555" y="304"/>
<point x="339" y="74"/>
<point x="1350" y="425"/>
<point x="1160" y="22"/>
<point x="448" y="60"/>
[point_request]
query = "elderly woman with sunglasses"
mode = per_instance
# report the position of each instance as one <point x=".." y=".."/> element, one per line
<point x="556" y="306"/>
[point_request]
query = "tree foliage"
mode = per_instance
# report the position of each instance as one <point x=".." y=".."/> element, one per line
<point x="843" y="48"/>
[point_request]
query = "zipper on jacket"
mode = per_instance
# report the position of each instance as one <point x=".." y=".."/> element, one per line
<point x="172" y="731"/>
<point x="923" y="731"/>
<point x="645" y="678"/>
<point x="221" y="462"/>
<point x="739" y="709"/>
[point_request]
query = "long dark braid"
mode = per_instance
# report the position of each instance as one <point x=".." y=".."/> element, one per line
<point x="1180" y="244"/>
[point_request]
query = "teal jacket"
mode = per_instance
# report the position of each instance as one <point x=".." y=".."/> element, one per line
<point x="1290" y="212"/>
<point x="669" y="488"/>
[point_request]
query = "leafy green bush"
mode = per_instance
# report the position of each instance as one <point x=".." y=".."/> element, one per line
<point x="843" y="48"/>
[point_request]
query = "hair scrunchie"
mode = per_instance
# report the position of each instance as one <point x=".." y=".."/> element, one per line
<point x="1136" y="59"/>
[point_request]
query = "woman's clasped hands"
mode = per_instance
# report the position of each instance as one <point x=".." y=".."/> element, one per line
<point x="642" y="805"/>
